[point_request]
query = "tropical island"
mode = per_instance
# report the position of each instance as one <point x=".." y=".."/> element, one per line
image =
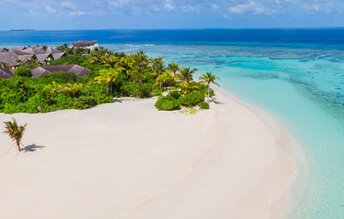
<point x="21" y="30"/>
<point x="120" y="157"/>
<point x="44" y="79"/>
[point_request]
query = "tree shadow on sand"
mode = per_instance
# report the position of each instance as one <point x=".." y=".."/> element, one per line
<point x="32" y="148"/>
<point x="216" y="101"/>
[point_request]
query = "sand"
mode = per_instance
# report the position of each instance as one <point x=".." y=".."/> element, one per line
<point x="127" y="160"/>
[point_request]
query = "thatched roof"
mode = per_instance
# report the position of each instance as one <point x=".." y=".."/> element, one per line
<point x="57" y="54"/>
<point x="82" y="43"/>
<point x="16" y="55"/>
<point x="9" y="57"/>
<point x="46" y="70"/>
<point x="42" y="50"/>
<point x="29" y="51"/>
<point x="43" y="57"/>
<point x="5" y="73"/>
<point x="19" y="52"/>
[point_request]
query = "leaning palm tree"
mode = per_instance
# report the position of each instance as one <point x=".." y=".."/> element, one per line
<point x="209" y="78"/>
<point x="15" y="132"/>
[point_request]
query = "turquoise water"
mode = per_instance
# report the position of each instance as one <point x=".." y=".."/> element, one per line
<point x="302" y="87"/>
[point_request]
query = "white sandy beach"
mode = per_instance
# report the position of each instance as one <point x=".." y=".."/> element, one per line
<point x="127" y="160"/>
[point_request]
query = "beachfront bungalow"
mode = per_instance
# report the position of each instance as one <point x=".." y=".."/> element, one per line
<point x="15" y="56"/>
<point x="22" y="56"/>
<point x="4" y="73"/>
<point x="56" y="54"/>
<point x="85" y="44"/>
<point x="46" y="70"/>
<point x="9" y="58"/>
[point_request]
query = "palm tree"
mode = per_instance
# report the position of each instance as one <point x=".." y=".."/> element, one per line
<point x="209" y="78"/>
<point x="111" y="60"/>
<point x="107" y="77"/>
<point x="158" y="66"/>
<point x="166" y="78"/>
<point x="125" y="63"/>
<point x="137" y="74"/>
<point x="141" y="59"/>
<point x="173" y="67"/>
<point x="15" y="131"/>
<point x="185" y="74"/>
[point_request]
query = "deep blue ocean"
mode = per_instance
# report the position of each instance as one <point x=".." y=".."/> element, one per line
<point x="297" y="75"/>
<point x="333" y="37"/>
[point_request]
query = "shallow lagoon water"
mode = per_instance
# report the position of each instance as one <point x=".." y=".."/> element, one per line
<point x="295" y="75"/>
<point x="303" y="88"/>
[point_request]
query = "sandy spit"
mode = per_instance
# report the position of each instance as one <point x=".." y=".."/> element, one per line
<point x="127" y="160"/>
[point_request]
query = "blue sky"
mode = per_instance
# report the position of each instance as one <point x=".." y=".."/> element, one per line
<point x="155" y="14"/>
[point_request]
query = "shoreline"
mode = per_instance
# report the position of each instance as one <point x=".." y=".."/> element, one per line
<point x="298" y="181"/>
<point x="232" y="161"/>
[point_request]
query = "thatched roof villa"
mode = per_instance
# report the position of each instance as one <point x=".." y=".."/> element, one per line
<point x="85" y="44"/>
<point x="15" y="56"/>
<point x="9" y="58"/>
<point x="46" y="70"/>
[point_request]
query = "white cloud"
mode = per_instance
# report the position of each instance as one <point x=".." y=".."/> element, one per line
<point x="214" y="7"/>
<point x="321" y="7"/>
<point x="78" y="13"/>
<point x="49" y="9"/>
<point x="118" y="3"/>
<point x="150" y="7"/>
<point x="190" y="8"/>
<point x="249" y="7"/>
<point x="68" y="5"/>
<point x="169" y="5"/>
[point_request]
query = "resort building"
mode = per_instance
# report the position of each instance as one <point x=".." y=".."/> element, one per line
<point x="46" y="70"/>
<point x="9" y="58"/>
<point x="16" y="56"/>
<point x="85" y="44"/>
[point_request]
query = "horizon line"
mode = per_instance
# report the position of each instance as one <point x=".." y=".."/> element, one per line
<point x="187" y="28"/>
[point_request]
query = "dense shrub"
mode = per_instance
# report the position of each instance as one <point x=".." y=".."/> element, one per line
<point x="141" y="90"/>
<point x="204" y="105"/>
<point x="175" y="94"/>
<point x="145" y="90"/>
<point x="192" y="99"/>
<point x="23" y="71"/>
<point x="50" y="93"/>
<point x="130" y="89"/>
<point x="167" y="103"/>
<point x="174" y="100"/>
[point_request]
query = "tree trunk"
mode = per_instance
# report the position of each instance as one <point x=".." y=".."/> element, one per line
<point x="208" y="93"/>
<point x="18" y="145"/>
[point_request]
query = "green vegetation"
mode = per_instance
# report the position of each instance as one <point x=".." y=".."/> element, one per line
<point x="111" y="75"/>
<point x="204" y="105"/>
<point x="23" y="71"/>
<point x="15" y="132"/>
<point x="167" y="103"/>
